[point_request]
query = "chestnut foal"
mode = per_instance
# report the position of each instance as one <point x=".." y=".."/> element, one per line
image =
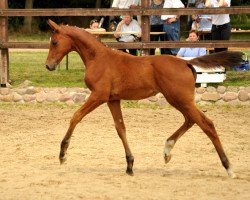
<point x="112" y="76"/>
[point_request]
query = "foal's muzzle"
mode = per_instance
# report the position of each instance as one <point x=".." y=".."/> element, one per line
<point x="50" y="68"/>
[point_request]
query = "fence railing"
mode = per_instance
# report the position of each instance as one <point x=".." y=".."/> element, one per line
<point x="144" y="12"/>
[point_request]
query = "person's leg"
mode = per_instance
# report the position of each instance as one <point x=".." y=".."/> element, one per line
<point x="132" y="51"/>
<point x="172" y="34"/>
<point x="161" y="37"/>
<point x="225" y="34"/>
<point x="176" y="36"/>
<point x="153" y="28"/>
<point x="167" y="30"/>
<point x="216" y="35"/>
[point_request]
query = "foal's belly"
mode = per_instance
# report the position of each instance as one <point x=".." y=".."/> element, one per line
<point x="133" y="94"/>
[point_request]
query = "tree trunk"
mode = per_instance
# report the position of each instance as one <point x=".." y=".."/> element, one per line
<point x="27" y="26"/>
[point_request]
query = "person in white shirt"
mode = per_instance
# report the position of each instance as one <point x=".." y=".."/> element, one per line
<point x="128" y="24"/>
<point x="171" y="25"/>
<point x="221" y="28"/>
<point x="126" y="4"/>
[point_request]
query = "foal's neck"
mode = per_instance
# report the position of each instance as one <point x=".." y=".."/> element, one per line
<point x="86" y="45"/>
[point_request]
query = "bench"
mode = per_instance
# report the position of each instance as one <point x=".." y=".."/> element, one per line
<point x="205" y="76"/>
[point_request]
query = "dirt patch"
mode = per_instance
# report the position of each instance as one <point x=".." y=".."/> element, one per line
<point x="95" y="169"/>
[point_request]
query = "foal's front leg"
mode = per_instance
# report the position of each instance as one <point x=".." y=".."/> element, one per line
<point x="86" y="108"/>
<point x="116" y="112"/>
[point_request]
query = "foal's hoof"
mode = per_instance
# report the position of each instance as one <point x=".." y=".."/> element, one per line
<point x="231" y="174"/>
<point x="62" y="160"/>
<point x="167" y="158"/>
<point x="130" y="172"/>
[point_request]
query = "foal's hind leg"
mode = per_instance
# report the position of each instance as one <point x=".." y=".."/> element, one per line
<point x="86" y="108"/>
<point x="208" y="127"/>
<point x="116" y="112"/>
<point x="170" y="142"/>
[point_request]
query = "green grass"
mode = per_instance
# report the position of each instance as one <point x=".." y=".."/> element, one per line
<point x="19" y="37"/>
<point x="30" y="66"/>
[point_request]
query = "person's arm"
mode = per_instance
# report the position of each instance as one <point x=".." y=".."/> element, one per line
<point x="223" y="3"/>
<point x="175" y="4"/>
<point x="166" y="5"/>
<point x="181" y="52"/>
<point x="115" y="4"/>
<point x="202" y="52"/>
<point x="138" y="5"/>
<point x="118" y="29"/>
<point x="208" y="3"/>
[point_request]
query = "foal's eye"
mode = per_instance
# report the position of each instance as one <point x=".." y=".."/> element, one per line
<point x="54" y="42"/>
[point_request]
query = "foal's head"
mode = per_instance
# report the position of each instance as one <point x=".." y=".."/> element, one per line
<point x="60" y="45"/>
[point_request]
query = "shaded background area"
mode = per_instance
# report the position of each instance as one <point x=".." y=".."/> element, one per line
<point x="37" y="24"/>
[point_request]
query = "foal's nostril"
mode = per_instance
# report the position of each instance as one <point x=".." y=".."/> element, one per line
<point x="48" y="68"/>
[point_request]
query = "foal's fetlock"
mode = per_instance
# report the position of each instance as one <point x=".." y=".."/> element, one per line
<point x="168" y="147"/>
<point x="62" y="157"/>
<point x="130" y="162"/>
<point x="130" y="172"/>
<point x="230" y="172"/>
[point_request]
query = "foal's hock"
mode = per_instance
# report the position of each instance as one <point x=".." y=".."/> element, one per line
<point x="112" y="75"/>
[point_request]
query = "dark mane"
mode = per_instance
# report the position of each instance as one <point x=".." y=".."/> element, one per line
<point x="81" y="32"/>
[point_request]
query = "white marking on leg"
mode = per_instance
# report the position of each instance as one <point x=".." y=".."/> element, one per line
<point x="231" y="173"/>
<point x="168" y="147"/>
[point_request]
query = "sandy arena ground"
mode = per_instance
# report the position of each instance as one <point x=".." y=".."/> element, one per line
<point x="95" y="168"/>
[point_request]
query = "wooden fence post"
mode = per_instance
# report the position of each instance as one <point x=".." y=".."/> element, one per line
<point x="145" y="25"/>
<point x="4" y="62"/>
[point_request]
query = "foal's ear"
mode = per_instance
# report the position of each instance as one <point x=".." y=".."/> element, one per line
<point x="53" y="25"/>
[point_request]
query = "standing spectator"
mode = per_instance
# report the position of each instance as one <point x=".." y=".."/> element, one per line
<point x="126" y="4"/>
<point x="171" y="25"/>
<point x="221" y="28"/>
<point x="156" y="24"/>
<point x="192" y="52"/>
<point x="123" y="4"/>
<point x="190" y="4"/>
<point x="128" y="24"/>
<point x="204" y="22"/>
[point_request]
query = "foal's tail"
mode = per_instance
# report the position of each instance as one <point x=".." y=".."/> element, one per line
<point x="226" y="59"/>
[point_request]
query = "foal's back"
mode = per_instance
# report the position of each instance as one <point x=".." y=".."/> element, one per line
<point x="148" y="75"/>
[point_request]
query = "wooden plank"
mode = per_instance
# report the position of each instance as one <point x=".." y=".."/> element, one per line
<point x="139" y="45"/>
<point x="115" y="12"/>
<point x="125" y="33"/>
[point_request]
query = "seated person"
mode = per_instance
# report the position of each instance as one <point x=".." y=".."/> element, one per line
<point x="94" y="26"/>
<point x="192" y="52"/>
<point x="127" y="25"/>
